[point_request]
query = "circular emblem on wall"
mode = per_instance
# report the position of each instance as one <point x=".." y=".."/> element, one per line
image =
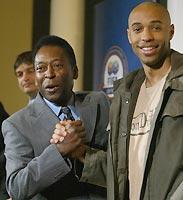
<point x="115" y="65"/>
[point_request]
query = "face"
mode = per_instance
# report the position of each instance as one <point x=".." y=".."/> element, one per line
<point x="54" y="74"/>
<point x="150" y="33"/>
<point x="26" y="79"/>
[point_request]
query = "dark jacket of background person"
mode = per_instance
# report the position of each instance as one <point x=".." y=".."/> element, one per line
<point x="3" y="193"/>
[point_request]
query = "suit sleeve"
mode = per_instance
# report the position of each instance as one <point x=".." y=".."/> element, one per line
<point x="95" y="164"/>
<point x="27" y="175"/>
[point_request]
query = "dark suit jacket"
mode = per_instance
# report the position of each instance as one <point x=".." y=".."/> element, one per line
<point x="33" y="164"/>
<point x="3" y="193"/>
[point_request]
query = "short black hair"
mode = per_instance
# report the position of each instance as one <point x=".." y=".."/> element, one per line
<point x="54" y="40"/>
<point x="24" y="57"/>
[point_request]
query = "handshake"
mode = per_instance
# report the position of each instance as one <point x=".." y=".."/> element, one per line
<point x="69" y="136"/>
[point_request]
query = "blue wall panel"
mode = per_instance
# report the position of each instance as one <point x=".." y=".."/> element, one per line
<point x="110" y="35"/>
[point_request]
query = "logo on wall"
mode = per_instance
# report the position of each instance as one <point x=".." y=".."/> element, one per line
<point x="116" y="65"/>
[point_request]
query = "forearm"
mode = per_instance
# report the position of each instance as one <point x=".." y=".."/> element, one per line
<point x="29" y="172"/>
<point x="38" y="174"/>
<point x="94" y="170"/>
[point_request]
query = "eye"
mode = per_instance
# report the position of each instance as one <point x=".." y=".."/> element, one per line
<point x="31" y="70"/>
<point x="57" y="65"/>
<point x="137" y="29"/>
<point x="19" y="74"/>
<point x="41" y="68"/>
<point x="156" y="27"/>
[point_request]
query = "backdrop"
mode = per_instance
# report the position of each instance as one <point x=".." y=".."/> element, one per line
<point x="113" y="56"/>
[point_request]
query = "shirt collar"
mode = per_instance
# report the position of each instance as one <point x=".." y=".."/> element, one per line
<point x="52" y="106"/>
<point x="56" y="109"/>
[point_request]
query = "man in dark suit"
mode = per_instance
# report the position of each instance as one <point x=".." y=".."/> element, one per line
<point x="36" y="168"/>
<point x="3" y="193"/>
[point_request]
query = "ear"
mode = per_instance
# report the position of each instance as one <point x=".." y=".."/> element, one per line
<point x="171" y="31"/>
<point x="75" y="72"/>
<point x="129" y="37"/>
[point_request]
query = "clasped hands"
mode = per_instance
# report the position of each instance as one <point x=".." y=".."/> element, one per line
<point x="69" y="136"/>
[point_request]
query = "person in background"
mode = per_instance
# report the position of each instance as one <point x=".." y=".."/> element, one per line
<point x="145" y="154"/>
<point x="25" y="73"/>
<point x="35" y="168"/>
<point x="3" y="192"/>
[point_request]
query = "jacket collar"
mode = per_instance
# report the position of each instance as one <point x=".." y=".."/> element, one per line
<point x="175" y="77"/>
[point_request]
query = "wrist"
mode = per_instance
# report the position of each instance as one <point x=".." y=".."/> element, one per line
<point x="83" y="149"/>
<point x="61" y="149"/>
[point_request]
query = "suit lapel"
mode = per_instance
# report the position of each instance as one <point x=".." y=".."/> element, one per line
<point x="88" y="114"/>
<point x="43" y="118"/>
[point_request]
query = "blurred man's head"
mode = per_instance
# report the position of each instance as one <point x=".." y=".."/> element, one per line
<point x="25" y="74"/>
<point x="55" y="69"/>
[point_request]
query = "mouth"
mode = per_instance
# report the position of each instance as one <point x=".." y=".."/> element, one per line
<point x="149" y="50"/>
<point x="27" y="85"/>
<point x="51" y="88"/>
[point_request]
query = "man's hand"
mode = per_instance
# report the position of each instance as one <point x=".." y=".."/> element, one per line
<point x="60" y="132"/>
<point x="70" y="138"/>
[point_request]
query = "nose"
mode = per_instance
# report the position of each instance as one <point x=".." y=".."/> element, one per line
<point x="25" y="76"/>
<point x="50" y="73"/>
<point x="147" y="35"/>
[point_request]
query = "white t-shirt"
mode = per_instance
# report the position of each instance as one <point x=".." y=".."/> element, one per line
<point x="147" y="103"/>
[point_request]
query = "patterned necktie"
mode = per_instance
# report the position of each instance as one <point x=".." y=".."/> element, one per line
<point x="76" y="170"/>
<point x="67" y="113"/>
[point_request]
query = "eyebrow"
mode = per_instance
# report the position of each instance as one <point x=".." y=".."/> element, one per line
<point x="43" y="62"/>
<point x="39" y="62"/>
<point x="152" y="22"/>
<point x="156" y="21"/>
<point x="27" y="67"/>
